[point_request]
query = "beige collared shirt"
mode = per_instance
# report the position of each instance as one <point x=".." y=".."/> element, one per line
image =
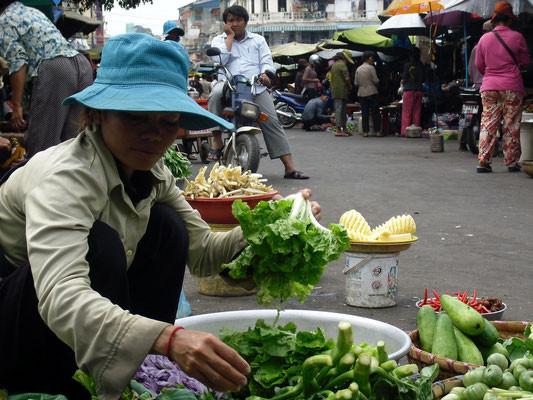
<point x="48" y="207"/>
<point x="367" y="80"/>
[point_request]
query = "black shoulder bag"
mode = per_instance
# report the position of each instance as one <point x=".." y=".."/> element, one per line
<point x="506" y="47"/>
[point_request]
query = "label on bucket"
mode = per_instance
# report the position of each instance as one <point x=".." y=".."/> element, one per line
<point x="374" y="283"/>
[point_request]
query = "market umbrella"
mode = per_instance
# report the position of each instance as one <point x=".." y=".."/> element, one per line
<point x="485" y="8"/>
<point x="329" y="54"/>
<point x="292" y="49"/>
<point x="404" y="24"/>
<point x="411" y="7"/>
<point x="450" y="18"/>
<point x="366" y="36"/>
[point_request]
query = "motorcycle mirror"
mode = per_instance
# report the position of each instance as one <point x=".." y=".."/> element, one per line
<point x="213" y="51"/>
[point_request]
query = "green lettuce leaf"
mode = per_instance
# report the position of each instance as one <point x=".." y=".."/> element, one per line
<point x="286" y="256"/>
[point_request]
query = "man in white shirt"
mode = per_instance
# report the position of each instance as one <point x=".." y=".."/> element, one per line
<point x="247" y="54"/>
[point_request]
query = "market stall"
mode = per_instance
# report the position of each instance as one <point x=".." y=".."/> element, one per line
<point x="321" y="355"/>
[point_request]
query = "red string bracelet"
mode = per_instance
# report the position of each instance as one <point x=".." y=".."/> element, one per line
<point x="177" y="328"/>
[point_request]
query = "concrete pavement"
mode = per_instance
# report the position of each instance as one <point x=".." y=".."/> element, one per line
<point x="475" y="230"/>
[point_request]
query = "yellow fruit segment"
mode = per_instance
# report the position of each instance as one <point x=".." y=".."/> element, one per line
<point x="397" y="229"/>
<point x="353" y="221"/>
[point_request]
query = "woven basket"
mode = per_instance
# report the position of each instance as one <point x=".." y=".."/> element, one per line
<point x="451" y="368"/>
<point x="442" y="388"/>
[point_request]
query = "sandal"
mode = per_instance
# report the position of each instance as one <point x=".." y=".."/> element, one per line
<point x="484" y="169"/>
<point x="365" y="134"/>
<point x="214" y="155"/>
<point x="296" y="175"/>
<point x="191" y="157"/>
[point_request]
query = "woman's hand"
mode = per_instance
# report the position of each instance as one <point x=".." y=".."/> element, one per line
<point x="17" y="120"/>
<point x="315" y="207"/>
<point x="5" y="144"/>
<point x="206" y="358"/>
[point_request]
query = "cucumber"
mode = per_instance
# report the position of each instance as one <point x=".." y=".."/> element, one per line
<point x="495" y="348"/>
<point x="464" y="317"/>
<point x="444" y="344"/>
<point x="467" y="349"/>
<point x="427" y="319"/>
<point x="488" y="337"/>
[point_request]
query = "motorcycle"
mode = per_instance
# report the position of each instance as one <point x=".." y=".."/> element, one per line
<point x="472" y="109"/>
<point x="290" y="107"/>
<point x="241" y="147"/>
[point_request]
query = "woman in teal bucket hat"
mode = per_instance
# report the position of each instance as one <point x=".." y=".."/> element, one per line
<point x="95" y="236"/>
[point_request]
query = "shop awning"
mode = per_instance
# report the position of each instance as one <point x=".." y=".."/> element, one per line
<point x="294" y="28"/>
<point x="208" y="4"/>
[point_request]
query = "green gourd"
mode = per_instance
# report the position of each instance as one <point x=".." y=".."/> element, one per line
<point x="467" y="349"/>
<point x="464" y="317"/>
<point x="444" y="344"/>
<point x="427" y="320"/>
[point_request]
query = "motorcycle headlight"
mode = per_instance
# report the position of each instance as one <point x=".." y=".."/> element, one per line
<point x="249" y="110"/>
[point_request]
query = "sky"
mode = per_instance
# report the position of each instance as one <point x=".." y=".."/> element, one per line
<point x="151" y="16"/>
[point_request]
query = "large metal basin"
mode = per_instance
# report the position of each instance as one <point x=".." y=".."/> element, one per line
<point x="365" y="329"/>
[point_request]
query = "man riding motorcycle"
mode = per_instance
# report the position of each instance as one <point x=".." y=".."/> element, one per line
<point x="247" y="54"/>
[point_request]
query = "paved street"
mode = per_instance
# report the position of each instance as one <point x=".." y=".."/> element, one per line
<point x="475" y="230"/>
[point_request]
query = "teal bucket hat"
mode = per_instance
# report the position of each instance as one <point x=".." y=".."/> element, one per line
<point x="169" y="26"/>
<point x="141" y="73"/>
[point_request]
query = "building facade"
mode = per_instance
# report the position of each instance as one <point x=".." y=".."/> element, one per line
<point x="279" y="21"/>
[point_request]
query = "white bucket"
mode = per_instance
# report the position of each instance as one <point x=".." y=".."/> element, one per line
<point x="371" y="279"/>
<point x="526" y="137"/>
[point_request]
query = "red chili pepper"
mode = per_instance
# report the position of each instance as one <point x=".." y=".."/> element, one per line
<point x="456" y="293"/>
<point x="425" y="298"/>
<point x="474" y="296"/>
<point x="448" y="292"/>
<point x="485" y="309"/>
<point x="436" y="294"/>
<point x="464" y="297"/>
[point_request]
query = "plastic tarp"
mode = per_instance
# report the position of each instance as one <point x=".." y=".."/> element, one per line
<point x="292" y="49"/>
<point x="366" y="36"/>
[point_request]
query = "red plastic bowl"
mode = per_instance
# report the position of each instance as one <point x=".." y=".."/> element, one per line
<point x="218" y="211"/>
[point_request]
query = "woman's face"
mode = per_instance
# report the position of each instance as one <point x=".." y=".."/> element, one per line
<point x="138" y="139"/>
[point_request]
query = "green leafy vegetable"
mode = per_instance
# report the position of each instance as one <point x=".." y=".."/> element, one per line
<point x="288" y="249"/>
<point x="275" y="354"/>
<point x="177" y="163"/>
<point x="517" y="347"/>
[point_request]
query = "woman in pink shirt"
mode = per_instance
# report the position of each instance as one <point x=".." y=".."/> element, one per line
<point x="502" y="90"/>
